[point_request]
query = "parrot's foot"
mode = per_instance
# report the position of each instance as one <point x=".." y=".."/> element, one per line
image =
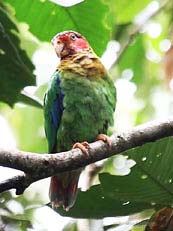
<point x="104" y="138"/>
<point x="66" y="208"/>
<point x="84" y="146"/>
<point x="54" y="205"/>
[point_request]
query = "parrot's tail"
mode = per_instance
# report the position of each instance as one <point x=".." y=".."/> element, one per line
<point x="63" y="189"/>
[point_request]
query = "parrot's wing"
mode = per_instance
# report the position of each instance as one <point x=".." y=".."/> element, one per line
<point x="53" y="109"/>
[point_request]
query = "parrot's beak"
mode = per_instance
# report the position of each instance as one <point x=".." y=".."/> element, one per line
<point x="58" y="46"/>
<point x="58" y="49"/>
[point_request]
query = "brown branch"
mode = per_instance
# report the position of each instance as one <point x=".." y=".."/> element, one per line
<point x="16" y="182"/>
<point x="36" y="166"/>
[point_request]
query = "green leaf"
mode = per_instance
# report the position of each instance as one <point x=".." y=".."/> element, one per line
<point x="15" y="67"/>
<point x="94" y="204"/>
<point x="45" y="19"/>
<point x="130" y="60"/>
<point x="32" y="100"/>
<point x="71" y="226"/>
<point x="150" y="181"/>
<point x="149" y="185"/>
<point x="126" y="10"/>
<point x="28" y="127"/>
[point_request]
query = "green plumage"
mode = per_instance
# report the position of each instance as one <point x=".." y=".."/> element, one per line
<point x="88" y="109"/>
<point x="89" y="106"/>
<point x="88" y="102"/>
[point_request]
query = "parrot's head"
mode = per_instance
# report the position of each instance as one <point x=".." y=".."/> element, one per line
<point x="68" y="43"/>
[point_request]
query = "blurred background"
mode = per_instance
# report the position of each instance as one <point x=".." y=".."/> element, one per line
<point x="135" y="42"/>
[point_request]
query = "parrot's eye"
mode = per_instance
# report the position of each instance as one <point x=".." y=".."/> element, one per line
<point x="73" y="37"/>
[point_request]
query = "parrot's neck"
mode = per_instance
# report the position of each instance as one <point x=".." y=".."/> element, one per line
<point x="84" y="63"/>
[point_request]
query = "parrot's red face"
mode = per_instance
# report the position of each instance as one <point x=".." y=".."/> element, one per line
<point x="69" y="43"/>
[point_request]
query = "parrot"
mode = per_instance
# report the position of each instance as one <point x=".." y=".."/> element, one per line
<point x="79" y="106"/>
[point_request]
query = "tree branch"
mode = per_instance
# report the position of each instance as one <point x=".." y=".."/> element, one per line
<point x="16" y="182"/>
<point x="36" y="166"/>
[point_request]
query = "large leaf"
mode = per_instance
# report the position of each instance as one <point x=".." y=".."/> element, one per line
<point x="150" y="181"/>
<point x="15" y="67"/>
<point x="94" y="204"/>
<point x="148" y="185"/>
<point x="28" y="127"/>
<point x="126" y="10"/>
<point x="130" y="60"/>
<point x="46" y="18"/>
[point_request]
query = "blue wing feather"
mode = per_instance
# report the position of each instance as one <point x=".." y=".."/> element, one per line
<point x="53" y="110"/>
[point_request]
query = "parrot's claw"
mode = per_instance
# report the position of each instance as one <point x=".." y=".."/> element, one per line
<point x="104" y="138"/>
<point x="54" y="205"/>
<point x="84" y="146"/>
<point x="66" y="208"/>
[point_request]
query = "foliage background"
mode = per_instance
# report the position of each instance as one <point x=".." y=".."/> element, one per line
<point x="134" y="40"/>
